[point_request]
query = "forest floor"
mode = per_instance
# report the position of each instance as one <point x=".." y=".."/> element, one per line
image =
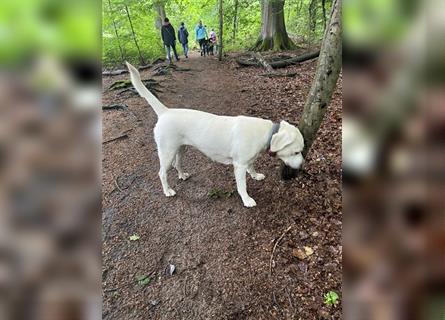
<point x="220" y="249"/>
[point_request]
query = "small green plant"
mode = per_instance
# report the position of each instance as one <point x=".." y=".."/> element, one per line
<point x="331" y="298"/>
<point x="143" y="280"/>
<point x="216" y="193"/>
<point x="134" y="237"/>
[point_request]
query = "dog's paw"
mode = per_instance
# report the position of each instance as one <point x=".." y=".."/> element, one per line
<point x="170" y="192"/>
<point x="259" y="176"/>
<point x="184" y="176"/>
<point x="249" y="202"/>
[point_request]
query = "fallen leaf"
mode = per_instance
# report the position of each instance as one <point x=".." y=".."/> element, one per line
<point x="298" y="253"/>
<point x="309" y="251"/>
<point x="143" y="280"/>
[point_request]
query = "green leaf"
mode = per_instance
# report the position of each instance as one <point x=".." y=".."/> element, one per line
<point x="331" y="298"/>
<point x="143" y="280"/>
<point x="134" y="237"/>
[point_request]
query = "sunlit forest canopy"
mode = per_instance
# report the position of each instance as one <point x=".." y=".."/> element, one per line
<point x="304" y="19"/>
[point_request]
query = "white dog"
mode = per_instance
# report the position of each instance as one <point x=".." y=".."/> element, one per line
<point x="228" y="140"/>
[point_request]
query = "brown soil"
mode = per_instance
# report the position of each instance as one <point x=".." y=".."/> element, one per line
<point x="221" y="250"/>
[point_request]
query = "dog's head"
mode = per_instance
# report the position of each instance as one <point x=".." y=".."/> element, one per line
<point x="288" y="144"/>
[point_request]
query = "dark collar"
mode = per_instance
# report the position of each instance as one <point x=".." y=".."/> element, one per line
<point x="275" y="128"/>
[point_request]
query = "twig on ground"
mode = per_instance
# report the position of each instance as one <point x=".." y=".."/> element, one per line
<point x="275" y="247"/>
<point x="117" y="184"/>
<point x="123" y="135"/>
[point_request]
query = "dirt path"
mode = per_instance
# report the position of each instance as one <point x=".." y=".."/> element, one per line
<point x="221" y="250"/>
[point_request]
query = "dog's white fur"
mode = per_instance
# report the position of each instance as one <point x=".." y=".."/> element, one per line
<point x="228" y="140"/>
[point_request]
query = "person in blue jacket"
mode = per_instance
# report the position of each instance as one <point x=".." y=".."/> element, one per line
<point x="183" y="37"/>
<point x="201" y="36"/>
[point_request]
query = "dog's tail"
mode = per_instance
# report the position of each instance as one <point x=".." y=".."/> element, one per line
<point x="157" y="105"/>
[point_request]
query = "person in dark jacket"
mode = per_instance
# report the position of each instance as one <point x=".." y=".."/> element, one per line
<point x="183" y="37"/>
<point x="169" y="39"/>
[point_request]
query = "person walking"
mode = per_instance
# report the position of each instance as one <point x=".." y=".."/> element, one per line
<point x="213" y="40"/>
<point x="169" y="39"/>
<point x="201" y="36"/>
<point x="183" y="37"/>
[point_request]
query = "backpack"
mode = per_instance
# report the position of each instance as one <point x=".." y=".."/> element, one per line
<point x="183" y="35"/>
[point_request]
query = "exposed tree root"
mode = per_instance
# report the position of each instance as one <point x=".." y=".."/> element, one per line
<point x="243" y="61"/>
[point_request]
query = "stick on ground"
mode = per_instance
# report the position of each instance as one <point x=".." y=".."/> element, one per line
<point x="275" y="247"/>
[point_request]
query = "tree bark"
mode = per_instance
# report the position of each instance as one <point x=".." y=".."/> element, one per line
<point x="325" y="80"/>
<point x="273" y="31"/>
<point x="134" y="35"/>
<point x="159" y="6"/>
<point x="220" y="51"/>
<point x="115" y="31"/>
<point x="263" y="62"/>
<point x="235" y="21"/>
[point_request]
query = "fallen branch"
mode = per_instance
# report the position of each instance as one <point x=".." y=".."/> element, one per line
<point x="275" y="247"/>
<point x="115" y="107"/>
<point x="295" y="60"/>
<point x="120" y="84"/>
<point x="124" y="84"/>
<point x="114" y="72"/>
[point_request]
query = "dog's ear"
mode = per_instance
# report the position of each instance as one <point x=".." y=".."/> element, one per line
<point x="282" y="138"/>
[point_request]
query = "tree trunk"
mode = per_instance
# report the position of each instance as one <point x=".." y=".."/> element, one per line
<point x="134" y="36"/>
<point x="159" y="6"/>
<point x="273" y="31"/>
<point x="235" y="21"/>
<point x="220" y="51"/>
<point x="324" y="83"/>
<point x="115" y="31"/>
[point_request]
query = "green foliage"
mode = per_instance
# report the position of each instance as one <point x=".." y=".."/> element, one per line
<point x="331" y="298"/>
<point x="134" y="237"/>
<point x="216" y="193"/>
<point x="59" y="28"/>
<point x="143" y="280"/>
<point x="247" y="26"/>
<point x="298" y="18"/>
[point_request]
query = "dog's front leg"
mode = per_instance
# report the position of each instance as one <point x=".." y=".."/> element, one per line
<point x="255" y="175"/>
<point x="240" y="176"/>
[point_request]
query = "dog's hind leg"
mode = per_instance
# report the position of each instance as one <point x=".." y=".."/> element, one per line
<point x="240" y="176"/>
<point x="177" y="164"/>
<point x="255" y="175"/>
<point x="166" y="157"/>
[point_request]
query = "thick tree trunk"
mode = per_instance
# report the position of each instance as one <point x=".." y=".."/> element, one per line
<point x="159" y="6"/>
<point x="220" y="51"/>
<point x="235" y="21"/>
<point x="115" y="31"/>
<point x="324" y="83"/>
<point x="273" y="31"/>
<point x="134" y="36"/>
